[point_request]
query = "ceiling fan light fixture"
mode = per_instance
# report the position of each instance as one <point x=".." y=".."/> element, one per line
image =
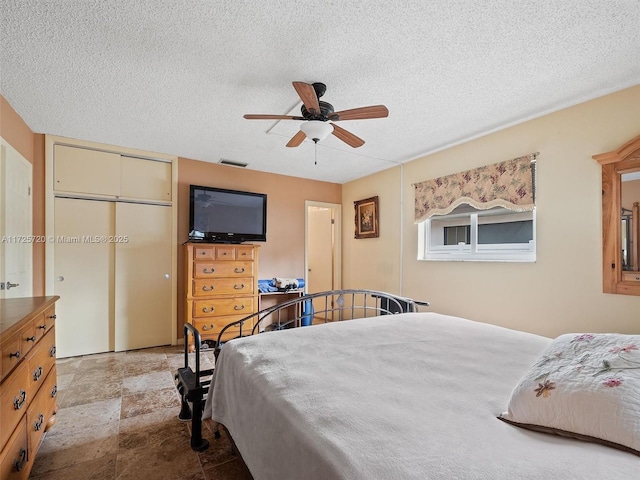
<point x="316" y="130"/>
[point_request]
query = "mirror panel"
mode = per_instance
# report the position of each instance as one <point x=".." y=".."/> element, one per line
<point x="620" y="231"/>
<point x="630" y="198"/>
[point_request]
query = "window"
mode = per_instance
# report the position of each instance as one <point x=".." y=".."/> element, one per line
<point x="497" y="234"/>
<point x="484" y="214"/>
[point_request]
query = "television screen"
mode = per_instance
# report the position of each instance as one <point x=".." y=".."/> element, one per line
<point x="220" y="215"/>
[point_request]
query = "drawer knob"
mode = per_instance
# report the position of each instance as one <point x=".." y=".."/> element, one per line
<point x="37" y="425"/>
<point x="18" y="402"/>
<point x="208" y="309"/>
<point x="42" y="327"/>
<point x="19" y="463"/>
<point x="52" y="351"/>
<point x="31" y="338"/>
<point x="37" y="373"/>
<point x="206" y="270"/>
<point x="239" y="270"/>
<point x="54" y="316"/>
<point x="207" y="327"/>
<point x="208" y="288"/>
<point x="239" y="287"/>
<point x="238" y="307"/>
<point x="16" y="354"/>
<point x="54" y="391"/>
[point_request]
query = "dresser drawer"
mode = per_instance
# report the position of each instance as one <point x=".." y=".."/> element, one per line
<point x="223" y="286"/>
<point x="14" y="398"/>
<point x="216" y="307"/>
<point x="222" y="269"/>
<point x="41" y="410"/>
<point x="45" y="322"/>
<point x="16" y="460"/>
<point x="205" y="252"/>
<point x="225" y="252"/>
<point x="245" y="253"/>
<point x="28" y="338"/>
<point x="40" y="361"/>
<point x="11" y="350"/>
<point x="213" y="325"/>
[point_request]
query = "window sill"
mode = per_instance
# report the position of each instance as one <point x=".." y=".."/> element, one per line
<point x="519" y="258"/>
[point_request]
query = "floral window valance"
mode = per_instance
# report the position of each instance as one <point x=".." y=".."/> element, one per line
<point x="509" y="184"/>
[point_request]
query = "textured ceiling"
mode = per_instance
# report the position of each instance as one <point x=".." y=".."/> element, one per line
<point x="176" y="77"/>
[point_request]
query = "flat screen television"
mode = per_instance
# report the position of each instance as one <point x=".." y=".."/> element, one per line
<point x="226" y="216"/>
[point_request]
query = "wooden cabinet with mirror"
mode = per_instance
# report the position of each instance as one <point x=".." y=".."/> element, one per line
<point x="620" y="222"/>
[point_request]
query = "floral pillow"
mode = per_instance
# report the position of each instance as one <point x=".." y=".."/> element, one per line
<point x="585" y="386"/>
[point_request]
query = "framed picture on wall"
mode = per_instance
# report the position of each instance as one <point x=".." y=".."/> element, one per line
<point x="367" y="218"/>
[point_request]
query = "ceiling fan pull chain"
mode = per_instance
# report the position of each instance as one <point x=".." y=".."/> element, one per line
<point x="315" y="146"/>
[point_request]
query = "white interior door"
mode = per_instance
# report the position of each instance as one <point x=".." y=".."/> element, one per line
<point x="142" y="276"/>
<point x="16" y="240"/>
<point x="320" y="254"/>
<point x="323" y="249"/>
<point x="83" y="269"/>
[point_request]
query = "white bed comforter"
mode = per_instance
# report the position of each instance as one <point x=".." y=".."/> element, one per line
<point x="411" y="396"/>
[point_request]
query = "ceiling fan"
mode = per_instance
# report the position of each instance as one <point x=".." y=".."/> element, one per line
<point x="318" y="115"/>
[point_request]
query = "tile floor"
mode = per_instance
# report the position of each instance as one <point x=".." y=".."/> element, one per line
<point x="118" y="419"/>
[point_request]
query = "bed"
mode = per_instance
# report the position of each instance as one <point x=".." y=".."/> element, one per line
<point x="405" y="396"/>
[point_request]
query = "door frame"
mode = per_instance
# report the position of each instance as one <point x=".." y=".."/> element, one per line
<point x="337" y="241"/>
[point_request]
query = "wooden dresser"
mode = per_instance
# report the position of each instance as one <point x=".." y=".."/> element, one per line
<point x="28" y="380"/>
<point x="221" y="286"/>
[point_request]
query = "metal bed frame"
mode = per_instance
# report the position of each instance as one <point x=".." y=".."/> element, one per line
<point x="332" y="306"/>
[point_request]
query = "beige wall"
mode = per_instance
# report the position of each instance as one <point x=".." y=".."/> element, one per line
<point x="562" y="291"/>
<point x="373" y="263"/>
<point x="283" y="252"/>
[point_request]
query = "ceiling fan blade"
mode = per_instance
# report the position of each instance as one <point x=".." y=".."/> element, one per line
<point x="257" y="116"/>
<point x="297" y="139"/>
<point x="347" y="137"/>
<point x="362" y="113"/>
<point x="307" y="94"/>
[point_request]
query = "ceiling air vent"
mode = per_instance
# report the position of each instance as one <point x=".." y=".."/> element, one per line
<point x="224" y="161"/>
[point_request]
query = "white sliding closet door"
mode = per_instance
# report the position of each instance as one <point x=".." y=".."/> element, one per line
<point x="142" y="276"/>
<point x="83" y="269"/>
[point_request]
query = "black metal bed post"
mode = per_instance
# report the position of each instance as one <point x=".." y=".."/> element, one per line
<point x="185" y="411"/>
<point x="193" y="389"/>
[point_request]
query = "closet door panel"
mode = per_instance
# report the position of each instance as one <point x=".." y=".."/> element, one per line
<point x="90" y="172"/>
<point x="144" y="179"/>
<point x="142" y="276"/>
<point x="83" y="266"/>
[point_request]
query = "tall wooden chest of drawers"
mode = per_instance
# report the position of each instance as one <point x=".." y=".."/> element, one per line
<point x="28" y="385"/>
<point x="221" y="286"/>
